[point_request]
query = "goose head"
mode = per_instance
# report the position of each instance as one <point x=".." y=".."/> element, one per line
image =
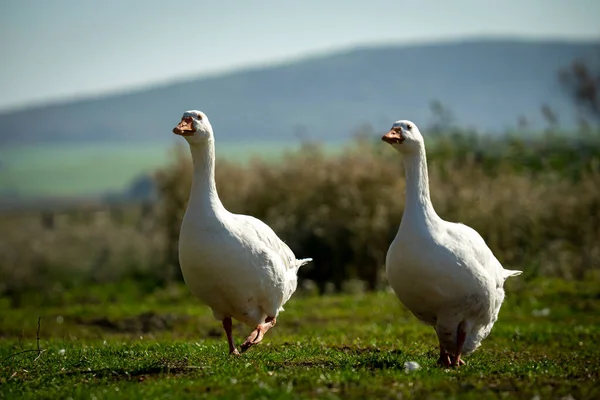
<point x="194" y="127"/>
<point x="404" y="136"/>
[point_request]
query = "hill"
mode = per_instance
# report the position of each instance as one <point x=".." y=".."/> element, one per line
<point x="487" y="84"/>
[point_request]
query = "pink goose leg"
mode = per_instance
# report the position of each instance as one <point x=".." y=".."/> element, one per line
<point x="227" y="325"/>
<point x="256" y="336"/>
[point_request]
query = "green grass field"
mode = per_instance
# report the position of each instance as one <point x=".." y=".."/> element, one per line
<point x="89" y="169"/>
<point x="113" y="342"/>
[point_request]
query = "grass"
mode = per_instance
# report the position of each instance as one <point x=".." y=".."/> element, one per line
<point x="106" y="342"/>
<point x="83" y="169"/>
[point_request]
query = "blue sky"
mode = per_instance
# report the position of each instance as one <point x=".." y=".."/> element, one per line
<point x="59" y="49"/>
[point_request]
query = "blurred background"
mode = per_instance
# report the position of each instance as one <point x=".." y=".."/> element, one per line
<point x="93" y="184"/>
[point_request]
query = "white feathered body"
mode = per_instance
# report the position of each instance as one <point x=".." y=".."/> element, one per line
<point x="236" y="265"/>
<point x="443" y="272"/>
<point x="233" y="263"/>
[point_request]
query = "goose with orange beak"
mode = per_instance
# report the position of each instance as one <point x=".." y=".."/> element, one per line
<point x="233" y="263"/>
<point x="443" y="272"/>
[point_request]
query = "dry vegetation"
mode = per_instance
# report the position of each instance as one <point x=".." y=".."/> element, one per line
<point x="536" y="203"/>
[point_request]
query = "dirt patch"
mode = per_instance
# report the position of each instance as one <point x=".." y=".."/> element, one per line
<point x="215" y="333"/>
<point x="143" y="323"/>
<point x="162" y="367"/>
<point x="364" y="350"/>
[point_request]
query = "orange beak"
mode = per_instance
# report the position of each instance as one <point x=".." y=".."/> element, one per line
<point x="393" y="137"/>
<point x="185" y="127"/>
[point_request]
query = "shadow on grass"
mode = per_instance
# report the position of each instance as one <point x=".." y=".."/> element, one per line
<point x="370" y="358"/>
<point x="365" y="350"/>
<point x="161" y="367"/>
<point x="142" y="323"/>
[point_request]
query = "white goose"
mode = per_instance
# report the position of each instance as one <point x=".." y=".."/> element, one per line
<point x="443" y="272"/>
<point x="234" y="263"/>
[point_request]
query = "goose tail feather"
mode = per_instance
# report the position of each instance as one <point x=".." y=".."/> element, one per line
<point x="507" y="273"/>
<point x="302" y="261"/>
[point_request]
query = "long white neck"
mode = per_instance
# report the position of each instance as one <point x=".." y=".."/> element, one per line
<point x="418" y="210"/>
<point x="203" y="196"/>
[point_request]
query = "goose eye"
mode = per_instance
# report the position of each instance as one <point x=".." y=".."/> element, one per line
<point x="199" y="117"/>
<point x="408" y="126"/>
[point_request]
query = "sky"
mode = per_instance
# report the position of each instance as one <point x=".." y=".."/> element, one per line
<point x="64" y="49"/>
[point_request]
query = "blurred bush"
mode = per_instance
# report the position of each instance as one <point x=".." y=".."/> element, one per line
<point x="46" y="252"/>
<point x="534" y="199"/>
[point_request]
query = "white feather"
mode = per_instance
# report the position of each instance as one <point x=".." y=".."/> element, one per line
<point x="443" y="272"/>
<point x="234" y="263"/>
